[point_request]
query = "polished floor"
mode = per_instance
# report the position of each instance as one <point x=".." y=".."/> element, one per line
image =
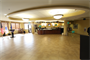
<point x="40" y="47"/>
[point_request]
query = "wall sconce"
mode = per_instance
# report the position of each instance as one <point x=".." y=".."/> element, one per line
<point x="62" y="23"/>
<point x="44" y="24"/>
<point x="53" y="24"/>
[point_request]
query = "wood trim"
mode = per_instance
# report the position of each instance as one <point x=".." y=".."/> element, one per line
<point x="5" y="21"/>
<point x="26" y="23"/>
<point x="15" y="22"/>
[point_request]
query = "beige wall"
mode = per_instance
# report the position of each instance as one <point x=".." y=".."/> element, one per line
<point x="81" y="25"/>
<point x="58" y="25"/>
<point x="0" y="34"/>
<point x="33" y="28"/>
<point x="65" y="27"/>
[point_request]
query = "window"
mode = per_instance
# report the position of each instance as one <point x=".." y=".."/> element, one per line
<point x="25" y="26"/>
<point x="29" y="25"/>
<point x="17" y="26"/>
<point x="5" y="26"/>
<point x="13" y="25"/>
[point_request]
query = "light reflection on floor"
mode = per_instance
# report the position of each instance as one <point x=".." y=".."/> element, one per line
<point x="40" y="47"/>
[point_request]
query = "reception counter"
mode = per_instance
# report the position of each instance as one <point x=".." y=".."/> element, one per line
<point x="58" y="31"/>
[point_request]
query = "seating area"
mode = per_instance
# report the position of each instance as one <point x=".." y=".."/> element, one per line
<point x="20" y="30"/>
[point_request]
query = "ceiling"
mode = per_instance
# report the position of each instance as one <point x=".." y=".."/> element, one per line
<point x="9" y="6"/>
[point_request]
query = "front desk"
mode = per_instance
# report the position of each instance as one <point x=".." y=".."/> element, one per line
<point x="58" y="31"/>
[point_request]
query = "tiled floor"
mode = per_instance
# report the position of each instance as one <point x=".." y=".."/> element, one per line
<point x="40" y="47"/>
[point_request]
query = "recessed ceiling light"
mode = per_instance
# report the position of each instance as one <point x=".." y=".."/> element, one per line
<point x="5" y="14"/>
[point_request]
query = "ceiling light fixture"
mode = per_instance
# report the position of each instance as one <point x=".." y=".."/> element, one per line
<point x="58" y="16"/>
<point x="5" y="14"/>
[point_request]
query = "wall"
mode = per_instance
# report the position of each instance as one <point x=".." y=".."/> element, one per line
<point x="22" y="26"/>
<point x="0" y="34"/>
<point x="81" y="25"/>
<point x="58" y="25"/>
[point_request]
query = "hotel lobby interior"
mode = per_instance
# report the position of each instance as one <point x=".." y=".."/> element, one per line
<point x="44" y="29"/>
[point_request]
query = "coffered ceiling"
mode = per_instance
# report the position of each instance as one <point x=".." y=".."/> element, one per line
<point x="9" y="6"/>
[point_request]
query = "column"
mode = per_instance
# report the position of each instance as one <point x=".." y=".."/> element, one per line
<point x="32" y="27"/>
<point x="65" y="27"/>
<point x="9" y="26"/>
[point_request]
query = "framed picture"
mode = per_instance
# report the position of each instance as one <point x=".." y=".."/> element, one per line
<point x="49" y="24"/>
<point x="75" y="26"/>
